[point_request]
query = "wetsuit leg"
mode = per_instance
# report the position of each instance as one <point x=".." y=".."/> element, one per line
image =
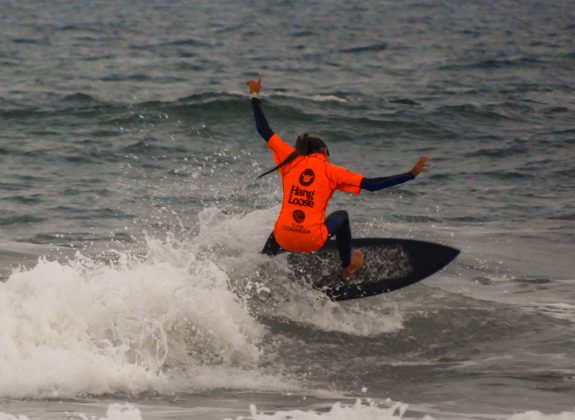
<point x="338" y="224"/>
<point x="271" y="247"/>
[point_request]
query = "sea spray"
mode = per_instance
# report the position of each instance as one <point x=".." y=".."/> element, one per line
<point x="85" y="327"/>
<point x="361" y="410"/>
<point x="234" y="242"/>
<point x="178" y="317"/>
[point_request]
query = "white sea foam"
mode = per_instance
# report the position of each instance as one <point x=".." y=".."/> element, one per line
<point x="326" y="315"/>
<point x="338" y="411"/>
<point x="537" y="415"/>
<point x="367" y="410"/>
<point x="178" y="318"/>
<point x="114" y="412"/>
<point x="142" y="324"/>
<point x="361" y="410"/>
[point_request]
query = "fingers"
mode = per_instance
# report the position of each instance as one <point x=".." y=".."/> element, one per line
<point x="421" y="165"/>
<point x="424" y="161"/>
<point x="255" y="85"/>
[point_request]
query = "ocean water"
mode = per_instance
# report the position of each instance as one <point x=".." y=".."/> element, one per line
<point x="131" y="284"/>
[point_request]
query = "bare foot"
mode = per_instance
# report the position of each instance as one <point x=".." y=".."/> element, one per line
<point x="357" y="260"/>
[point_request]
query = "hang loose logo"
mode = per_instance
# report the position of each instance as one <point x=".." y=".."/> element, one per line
<point x="307" y="177"/>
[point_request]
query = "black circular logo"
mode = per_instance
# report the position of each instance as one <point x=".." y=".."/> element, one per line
<point x="307" y="177"/>
<point x="298" y="216"/>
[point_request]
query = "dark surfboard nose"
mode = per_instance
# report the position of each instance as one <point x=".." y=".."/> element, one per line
<point x="390" y="264"/>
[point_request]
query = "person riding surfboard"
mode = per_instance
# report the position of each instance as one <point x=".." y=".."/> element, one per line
<point x="309" y="180"/>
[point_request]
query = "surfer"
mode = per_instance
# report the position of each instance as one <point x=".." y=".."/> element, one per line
<point x="308" y="181"/>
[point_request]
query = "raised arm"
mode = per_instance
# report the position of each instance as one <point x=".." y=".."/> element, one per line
<point x="376" y="184"/>
<point x="262" y="124"/>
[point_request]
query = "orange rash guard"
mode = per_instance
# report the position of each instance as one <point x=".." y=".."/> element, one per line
<point x="308" y="183"/>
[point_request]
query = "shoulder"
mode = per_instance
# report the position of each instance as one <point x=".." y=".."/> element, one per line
<point x="344" y="179"/>
<point x="277" y="144"/>
<point x="337" y="170"/>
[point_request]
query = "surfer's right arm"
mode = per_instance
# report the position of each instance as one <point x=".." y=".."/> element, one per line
<point x="280" y="149"/>
<point x="262" y="124"/>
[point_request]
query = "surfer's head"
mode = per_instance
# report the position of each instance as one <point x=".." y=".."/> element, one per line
<point x="305" y="145"/>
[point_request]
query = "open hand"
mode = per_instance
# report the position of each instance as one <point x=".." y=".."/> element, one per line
<point x="255" y="85"/>
<point x="421" y="165"/>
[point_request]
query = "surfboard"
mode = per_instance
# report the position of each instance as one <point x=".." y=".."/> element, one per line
<point x="390" y="264"/>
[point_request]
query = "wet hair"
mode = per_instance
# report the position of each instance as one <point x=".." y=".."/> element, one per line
<point x="304" y="145"/>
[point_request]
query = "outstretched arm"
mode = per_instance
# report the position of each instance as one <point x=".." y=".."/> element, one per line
<point x="376" y="184"/>
<point x="262" y="124"/>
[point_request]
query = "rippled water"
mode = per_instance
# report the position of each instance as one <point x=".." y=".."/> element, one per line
<point x="131" y="220"/>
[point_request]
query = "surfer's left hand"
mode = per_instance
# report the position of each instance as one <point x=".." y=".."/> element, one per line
<point x="421" y="165"/>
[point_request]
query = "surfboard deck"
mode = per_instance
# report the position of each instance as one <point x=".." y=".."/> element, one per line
<point x="390" y="264"/>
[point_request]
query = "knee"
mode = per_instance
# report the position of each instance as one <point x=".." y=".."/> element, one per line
<point x="342" y="215"/>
